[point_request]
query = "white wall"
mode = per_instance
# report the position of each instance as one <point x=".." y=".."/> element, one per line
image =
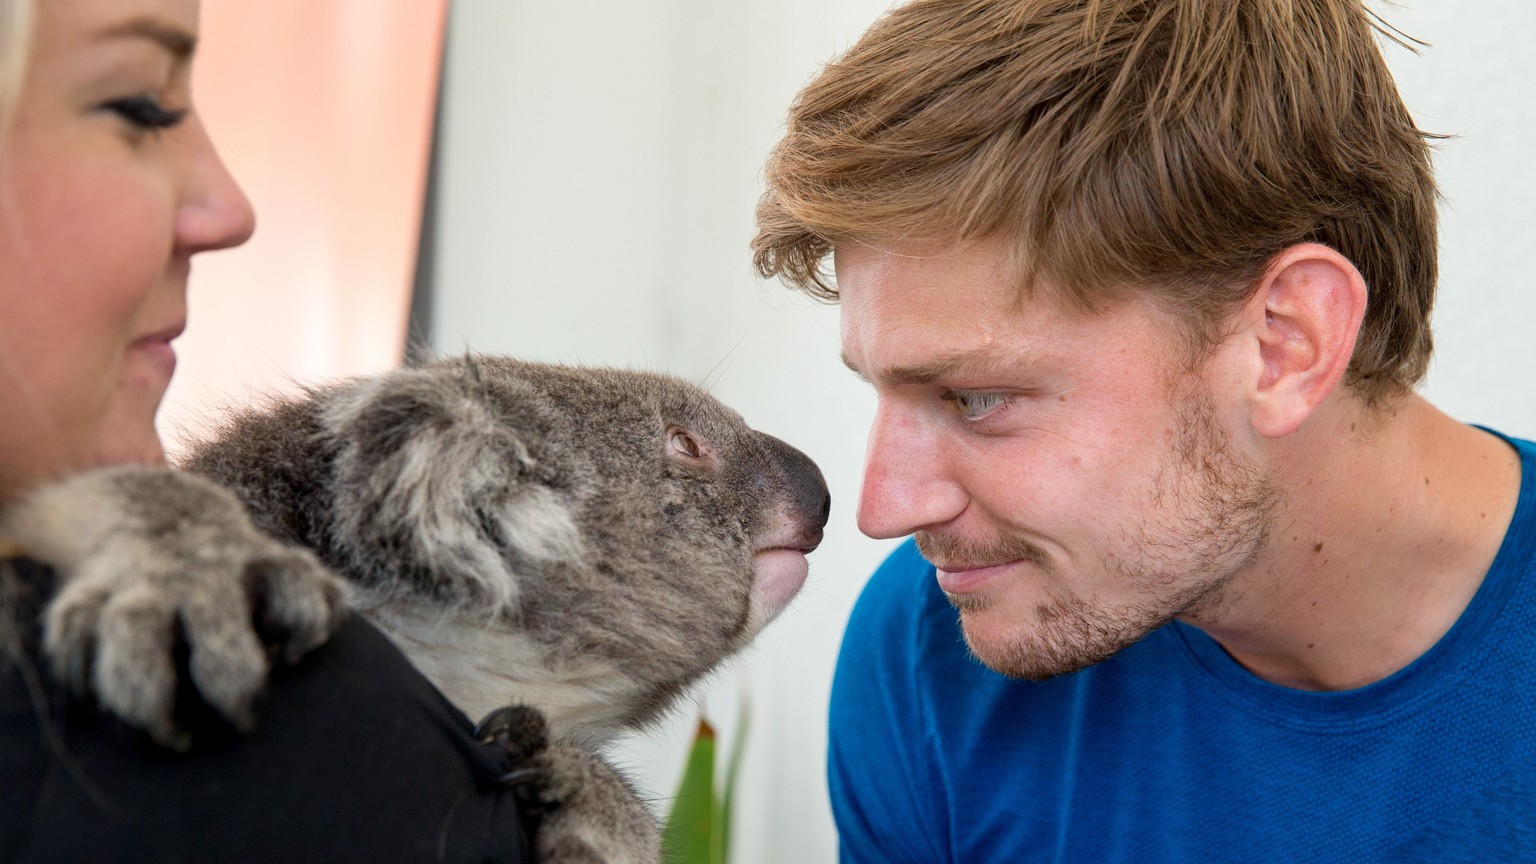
<point x="1476" y="81"/>
<point x="600" y="166"/>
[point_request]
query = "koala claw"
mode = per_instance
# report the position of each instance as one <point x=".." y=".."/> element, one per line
<point x="591" y="815"/>
<point x="303" y="602"/>
<point x="148" y="558"/>
<point x="520" y="731"/>
<point x="521" y="778"/>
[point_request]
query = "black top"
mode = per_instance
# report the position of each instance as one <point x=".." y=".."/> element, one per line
<point x="357" y="757"/>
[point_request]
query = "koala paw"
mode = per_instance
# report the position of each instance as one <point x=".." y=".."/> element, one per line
<point x="591" y="815"/>
<point x="148" y="558"/>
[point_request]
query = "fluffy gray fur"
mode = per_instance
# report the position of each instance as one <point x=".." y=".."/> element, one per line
<point x="589" y="542"/>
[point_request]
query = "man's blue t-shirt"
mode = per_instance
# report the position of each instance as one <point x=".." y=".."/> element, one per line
<point x="1171" y="751"/>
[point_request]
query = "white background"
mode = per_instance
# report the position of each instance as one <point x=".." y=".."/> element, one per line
<point x="600" y="165"/>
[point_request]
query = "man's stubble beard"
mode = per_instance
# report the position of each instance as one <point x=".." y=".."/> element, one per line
<point x="1180" y="565"/>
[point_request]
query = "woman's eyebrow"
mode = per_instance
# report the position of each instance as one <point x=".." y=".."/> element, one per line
<point x="178" y="41"/>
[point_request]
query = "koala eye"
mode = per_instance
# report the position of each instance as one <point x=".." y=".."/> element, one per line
<point x="681" y="442"/>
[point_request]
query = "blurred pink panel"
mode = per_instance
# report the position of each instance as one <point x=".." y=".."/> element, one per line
<point x="323" y="111"/>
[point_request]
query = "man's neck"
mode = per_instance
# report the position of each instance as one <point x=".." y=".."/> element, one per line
<point x="1389" y="524"/>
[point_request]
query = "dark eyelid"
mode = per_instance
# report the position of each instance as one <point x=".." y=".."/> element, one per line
<point x="146" y="112"/>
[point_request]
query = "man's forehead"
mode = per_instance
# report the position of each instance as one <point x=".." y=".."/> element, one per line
<point x="989" y="260"/>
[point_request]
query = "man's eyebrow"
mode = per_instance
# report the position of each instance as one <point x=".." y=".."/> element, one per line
<point x="979" y="360"/>
<point x="174" y="39"/>
<point x="852" y="368"/>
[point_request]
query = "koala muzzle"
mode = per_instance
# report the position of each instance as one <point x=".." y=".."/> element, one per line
<point x="808" y="503"/>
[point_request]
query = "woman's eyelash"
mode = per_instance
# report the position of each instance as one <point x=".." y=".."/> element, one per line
<point x="146" y="113"/>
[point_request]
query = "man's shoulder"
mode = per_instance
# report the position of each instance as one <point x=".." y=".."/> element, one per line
<point x="1517" y="552"/>
<point x="901" y="587"/>
<point x="890" y="625"/>
<point x="902" y="618"/>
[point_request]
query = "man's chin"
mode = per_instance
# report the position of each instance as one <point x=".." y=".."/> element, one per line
<point x="1032" y="656"/>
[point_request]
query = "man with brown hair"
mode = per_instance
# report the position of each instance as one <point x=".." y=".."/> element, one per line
<point x="1143" y="288"/>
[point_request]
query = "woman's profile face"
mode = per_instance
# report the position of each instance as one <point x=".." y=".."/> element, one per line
<point x="108" y="186"/>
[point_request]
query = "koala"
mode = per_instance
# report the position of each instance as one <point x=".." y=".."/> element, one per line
<point x="584" y="542"/>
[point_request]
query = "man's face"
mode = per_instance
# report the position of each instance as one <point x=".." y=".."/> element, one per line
<point x="1075" y="483"/>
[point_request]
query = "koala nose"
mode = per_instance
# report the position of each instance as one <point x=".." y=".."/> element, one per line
<point x="810" y="501"/>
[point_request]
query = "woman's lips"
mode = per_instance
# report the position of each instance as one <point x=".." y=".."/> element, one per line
<point x="156" y="350"/>
<point x="160" y="355"/>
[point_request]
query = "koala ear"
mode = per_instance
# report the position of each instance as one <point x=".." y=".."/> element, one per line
<point x="436" y="488"/>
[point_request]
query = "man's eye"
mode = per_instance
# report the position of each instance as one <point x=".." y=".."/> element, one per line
<point x="146" y="112"/>
<point x="976" y="405"/>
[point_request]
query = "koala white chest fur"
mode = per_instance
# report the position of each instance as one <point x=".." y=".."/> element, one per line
<point x="585" y="541"/>
<point x="482" y="665"/>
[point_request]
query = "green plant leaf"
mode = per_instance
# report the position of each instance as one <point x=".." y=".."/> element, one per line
<point x="732" y="770"/>
<point x="692" y="834"/>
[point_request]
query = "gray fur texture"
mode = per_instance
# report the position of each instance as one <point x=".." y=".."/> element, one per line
<point x="588" y="542"/>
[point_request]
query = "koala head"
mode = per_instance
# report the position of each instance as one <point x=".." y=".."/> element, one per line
<point x="617" y="518"/>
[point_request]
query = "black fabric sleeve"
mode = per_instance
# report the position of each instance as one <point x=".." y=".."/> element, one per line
<point x="357" y="758"/>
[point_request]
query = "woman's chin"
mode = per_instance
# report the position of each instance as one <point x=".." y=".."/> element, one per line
<point x="130" y="441"/>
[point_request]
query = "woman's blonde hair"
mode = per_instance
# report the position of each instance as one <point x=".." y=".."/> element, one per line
<point x="1163" y="146"/>
<point x="15" y="39"/>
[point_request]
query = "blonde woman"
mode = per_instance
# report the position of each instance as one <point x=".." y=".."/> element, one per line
<point x="109" y="186"/>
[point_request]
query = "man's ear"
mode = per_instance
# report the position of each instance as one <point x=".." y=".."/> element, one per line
<point x="1313" y="300"/>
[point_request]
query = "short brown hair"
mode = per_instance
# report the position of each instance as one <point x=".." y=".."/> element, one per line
<point x="1172" y="146"/>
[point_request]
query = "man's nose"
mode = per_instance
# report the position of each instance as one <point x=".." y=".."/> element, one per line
<point x="907" y="484"/>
